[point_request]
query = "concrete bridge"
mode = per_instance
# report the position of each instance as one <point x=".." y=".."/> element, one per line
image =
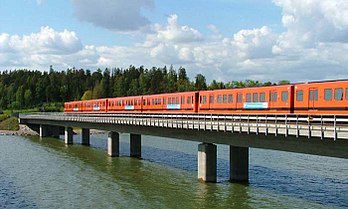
<point x="318" y="135"/>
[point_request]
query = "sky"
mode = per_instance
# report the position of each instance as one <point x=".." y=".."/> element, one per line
<point x="225" y="40"/>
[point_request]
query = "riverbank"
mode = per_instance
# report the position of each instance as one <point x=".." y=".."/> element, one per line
<point x="26" y="131"/>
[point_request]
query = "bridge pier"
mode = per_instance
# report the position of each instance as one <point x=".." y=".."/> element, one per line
<point x="47" y="130"/>
<point x="69" y="135"/>
<point x="85" y="136"/>
<point x="207" y="158"/>
<point x="239" y="164"/>
<point x="113" y="144"/>
<point x="135" y="145"/>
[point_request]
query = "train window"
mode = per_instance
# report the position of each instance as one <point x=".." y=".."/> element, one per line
<point x="239" y="98"/>
<point x="183" y="100"/>
<point x="230" y="98"/>
<point x="273" y="96"/>
<point x="255" y="97"/>
<point x="188" y="100"/>
<point x="313" y="95"/>
<point x="248" y="97"/>
<point x="177" y="100"/>
<point x="164" y="101"/>
<point x="346" y="93"/>
<point x="285" y="96"/>
<point x="219" y="99"/>
<point x="211" y="100"/>
<point x="299" y="95"/>
<point x="204" y="99"/>
<point x="225" y="98"/>
<point x="338" y="94"/>
<point x="262" y="97"/>
<point x="327" y="94"/>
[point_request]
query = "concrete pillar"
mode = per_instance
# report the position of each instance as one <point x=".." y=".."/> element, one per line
<point x="239" y="164"/>
<point x="85" y="136"/>
<point x="113" y="144"/>
<point x="207" y="159"/>
<point x="43" y="130"/>
<point x="135" y="145"/>
<point x="47" y="130"/>
<point x="68" y="135"/>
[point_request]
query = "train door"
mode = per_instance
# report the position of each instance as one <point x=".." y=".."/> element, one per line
<point x="313" y="98"/>
<point x="273" y="99"/>
<point x="211" y="101"/>
<point x="239" y="101"/>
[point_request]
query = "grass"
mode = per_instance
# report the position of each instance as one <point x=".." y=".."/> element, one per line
<point x="10" y="124"/>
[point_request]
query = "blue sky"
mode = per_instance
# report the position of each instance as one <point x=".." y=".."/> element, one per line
<point x="222" y="39"/>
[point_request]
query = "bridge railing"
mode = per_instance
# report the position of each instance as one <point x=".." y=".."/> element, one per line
<point x="322" y="126"/>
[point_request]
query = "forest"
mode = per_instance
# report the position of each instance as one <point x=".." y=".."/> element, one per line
<point x="23" y="89"/>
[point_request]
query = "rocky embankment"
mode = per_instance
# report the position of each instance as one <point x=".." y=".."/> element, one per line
<point x="23" y="131"/>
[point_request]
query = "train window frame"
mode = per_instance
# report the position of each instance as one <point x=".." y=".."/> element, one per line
<point x="183" y="100"/>
<point x="204" y="99"/>
<point x="313" y="95"/>
<point x="188" y="100"/>
<point x="285" y="96"/>
<point x="328" y="94"/>
<point x="299" y="95"/>
<point x="262" y="97"/>
<point x="273" y="96"/>
<point x="211" y="99"/>
<point x="225" y="98"/>
<point x="346" y="93"/>
<point x="339" y="94"/>
<point x="255" y="97"/>
<point x="248" y="97"/>
<point x="239" y="98"/>
<point x="230" y="98"/>
<point x="177" y="100"/>
<point x="219" y="99"/>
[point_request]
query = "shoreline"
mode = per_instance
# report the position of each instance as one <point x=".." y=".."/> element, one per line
<point x="26" y="131"/>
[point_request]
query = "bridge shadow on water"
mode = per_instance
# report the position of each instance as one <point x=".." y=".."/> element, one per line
<point x="318" y="189"/>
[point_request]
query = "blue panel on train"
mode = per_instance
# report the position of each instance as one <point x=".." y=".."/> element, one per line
<point x="96" y="108"/>
<point x="173" y="107"/>
<point x="129" y="108"/>
<point x="76" y="109"/>
<point x="255" y="105"/>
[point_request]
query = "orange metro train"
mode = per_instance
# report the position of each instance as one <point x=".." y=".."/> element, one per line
<point x="312" y="98"/>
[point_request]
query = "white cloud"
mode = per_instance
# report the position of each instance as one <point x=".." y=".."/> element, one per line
<point x="115" y="15"/>
<point x="46" y="41"/>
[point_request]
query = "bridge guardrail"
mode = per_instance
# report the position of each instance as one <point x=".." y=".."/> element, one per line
<point x="322" y="126"/>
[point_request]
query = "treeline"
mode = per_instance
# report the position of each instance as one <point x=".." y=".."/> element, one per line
<point x="21" y="89"/>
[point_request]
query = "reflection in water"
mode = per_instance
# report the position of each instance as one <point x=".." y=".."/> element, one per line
<point x="53" y="175"/>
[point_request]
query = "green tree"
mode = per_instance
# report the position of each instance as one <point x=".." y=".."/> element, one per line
<point x="87" y="95"/>
<point x="200" y="83"/>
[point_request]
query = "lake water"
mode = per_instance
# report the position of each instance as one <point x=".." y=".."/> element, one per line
<point x="45" y="173"/>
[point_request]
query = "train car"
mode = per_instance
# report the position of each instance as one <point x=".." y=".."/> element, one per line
<point x="172" y="102"/>
<point x="125" y="104"/>
<point x="255" y="100"/>
<point x="95" y="106"/>
<point x="328" y="97"/>
<point x="73" y="107"/>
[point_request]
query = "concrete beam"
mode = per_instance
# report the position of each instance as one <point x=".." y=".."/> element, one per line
<point x="239" y="164"/>
<point x="113" y="144"/>
<point x="69" y="135"/>
<point x="135" y="145"/>
<point x="207" y="159"/>
<point x="85" y="136"/>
